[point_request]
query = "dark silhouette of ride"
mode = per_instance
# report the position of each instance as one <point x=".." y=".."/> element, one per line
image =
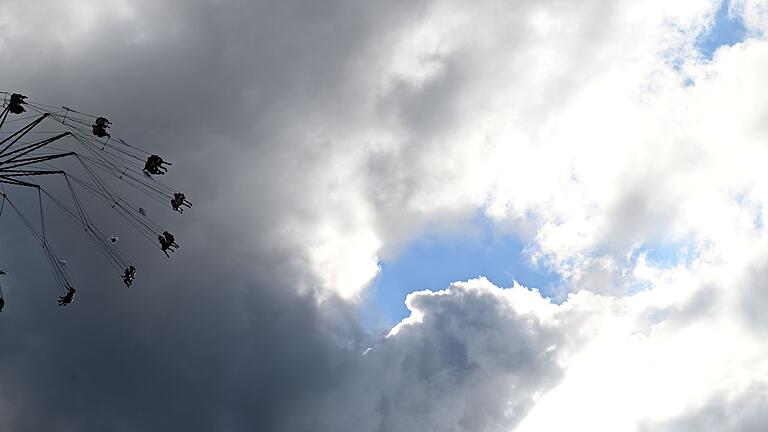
<point x="167" y="243"/>
<point x="155" y="165"/>
<point x="68" y="297"/>
<point x="100" y="166"/>
<point x="179" y="201"/>
<point x="100" y="127"/>
<point x="129" y="275"/>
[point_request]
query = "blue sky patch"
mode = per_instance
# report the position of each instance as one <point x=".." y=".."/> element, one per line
<point x="668" y="255"/>
<point x="433" y="262"/>
<point x="727" y="30"/>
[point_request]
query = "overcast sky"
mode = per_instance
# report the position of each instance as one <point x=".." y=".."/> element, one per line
<point x="613" y="149"/>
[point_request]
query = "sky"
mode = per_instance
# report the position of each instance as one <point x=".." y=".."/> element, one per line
<point x="428" y="215"/>
<point x="434" y="260"/>
<point x="727" y="29"/>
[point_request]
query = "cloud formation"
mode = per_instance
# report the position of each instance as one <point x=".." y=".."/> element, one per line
<point x="470" y="357"/>
<point x="315" y="140"/>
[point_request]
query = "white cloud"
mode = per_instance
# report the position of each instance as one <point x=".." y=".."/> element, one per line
<point x="651" y="359"/>
<point x="754" y="13"/>
<point x="612" y="363"/>
<point x="586" y="129"/>
<point x="576" y="122"/>
<point x="742" y="410"/>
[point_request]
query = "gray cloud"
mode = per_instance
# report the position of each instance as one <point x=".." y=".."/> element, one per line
<point x="753" y="298"/>
<point x="224" y="336"/>
<point x="741" y="412"/>
<point x="474" y="362"/>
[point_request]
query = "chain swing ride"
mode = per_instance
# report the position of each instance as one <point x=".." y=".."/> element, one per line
<point x="27" y="153"/>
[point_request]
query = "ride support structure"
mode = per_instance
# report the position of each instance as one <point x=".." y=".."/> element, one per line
<point x="35" y="140"/>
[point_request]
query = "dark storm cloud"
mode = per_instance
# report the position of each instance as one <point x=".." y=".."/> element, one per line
<point x="182" y="352"/>
<point x="218" y="337"/>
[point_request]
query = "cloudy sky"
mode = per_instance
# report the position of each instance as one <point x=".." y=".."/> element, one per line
<point x="424" y="215"/>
